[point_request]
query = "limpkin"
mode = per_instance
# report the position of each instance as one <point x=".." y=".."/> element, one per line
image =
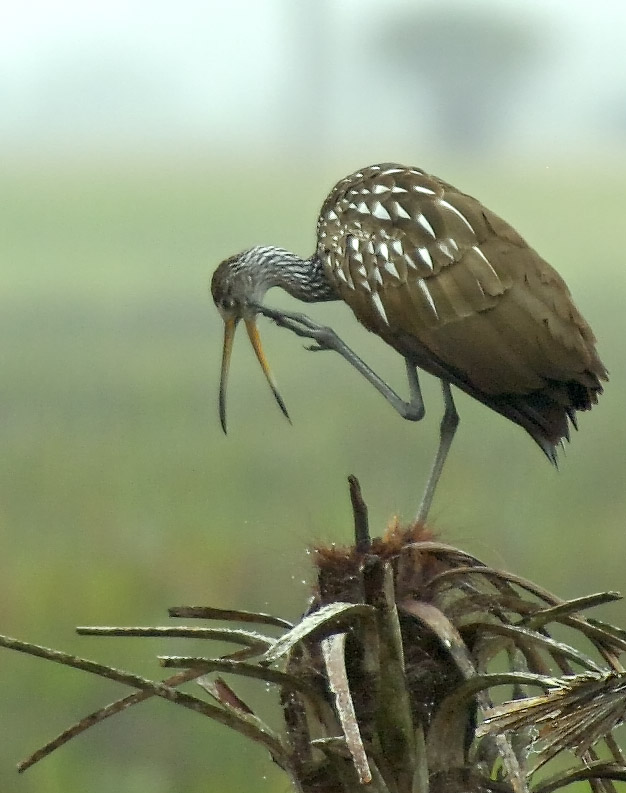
<point x="445" y="282"/>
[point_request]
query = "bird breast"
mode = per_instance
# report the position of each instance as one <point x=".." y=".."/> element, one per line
<point x="448" y="283"/>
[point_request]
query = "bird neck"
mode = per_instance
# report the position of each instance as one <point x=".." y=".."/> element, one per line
<point x="303" y="279"/>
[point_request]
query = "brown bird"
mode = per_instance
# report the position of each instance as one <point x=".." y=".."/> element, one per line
<point x="445" y="282"/>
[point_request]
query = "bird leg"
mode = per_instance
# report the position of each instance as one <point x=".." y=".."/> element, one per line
<point x="327" y="339"/>
<point x="447" y="428"/>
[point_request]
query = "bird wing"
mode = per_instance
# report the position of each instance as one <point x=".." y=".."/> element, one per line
<point x="437" y="275"/>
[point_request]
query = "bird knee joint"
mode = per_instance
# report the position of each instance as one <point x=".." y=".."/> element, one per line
<point x="414" y="412"/>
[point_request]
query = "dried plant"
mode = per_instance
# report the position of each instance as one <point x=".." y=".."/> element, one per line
<point x="393" y="681"/>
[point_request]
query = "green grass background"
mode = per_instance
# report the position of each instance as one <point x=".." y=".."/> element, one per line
<point x="119" y="495"/>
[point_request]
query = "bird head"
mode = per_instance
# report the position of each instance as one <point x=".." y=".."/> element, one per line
<point x="238" y="285"/>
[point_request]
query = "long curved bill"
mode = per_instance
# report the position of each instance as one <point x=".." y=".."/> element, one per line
<point x="230" y="326"/>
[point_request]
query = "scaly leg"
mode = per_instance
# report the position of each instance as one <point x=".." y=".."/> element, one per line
<point x="327" y="339"/>
<point x="449" y="423"/>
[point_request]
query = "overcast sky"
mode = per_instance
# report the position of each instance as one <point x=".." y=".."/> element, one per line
<point x="72" y="72"/>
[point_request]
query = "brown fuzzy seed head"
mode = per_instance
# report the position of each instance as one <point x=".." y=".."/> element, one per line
<point x="340" y="566"/>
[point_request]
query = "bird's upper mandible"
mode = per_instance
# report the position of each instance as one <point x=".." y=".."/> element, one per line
<point x="428" y="267"/>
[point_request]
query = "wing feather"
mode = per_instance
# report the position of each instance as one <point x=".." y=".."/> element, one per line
<point x="438" y="276"/>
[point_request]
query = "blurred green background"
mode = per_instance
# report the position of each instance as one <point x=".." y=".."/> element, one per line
<point x="141" y="155"/>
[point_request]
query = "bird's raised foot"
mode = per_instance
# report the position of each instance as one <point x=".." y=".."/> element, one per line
<point x="324" y="337"/>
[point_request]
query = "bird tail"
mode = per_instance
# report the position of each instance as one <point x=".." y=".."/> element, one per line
<point x="548" y="413"/>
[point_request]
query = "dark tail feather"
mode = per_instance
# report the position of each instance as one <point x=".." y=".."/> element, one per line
<point x="571" y="415"/>
<point x="547" y="414"/>
<point x="549" y="449"/>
